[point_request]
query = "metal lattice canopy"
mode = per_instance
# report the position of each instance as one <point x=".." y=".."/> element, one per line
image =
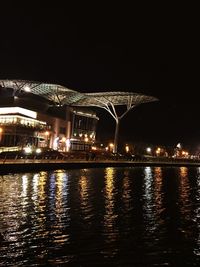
<point x="53" y="92"/>
<point x="108" y="101"/>
<point x="62" y="95"/>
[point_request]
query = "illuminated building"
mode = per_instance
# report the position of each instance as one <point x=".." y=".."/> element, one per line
<point x="33" y="114"/>
<point x="60" y="120"/>
<point x="83" y="129"/>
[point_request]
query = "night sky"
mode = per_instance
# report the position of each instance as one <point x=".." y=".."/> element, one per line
<point x="111" y="50"/>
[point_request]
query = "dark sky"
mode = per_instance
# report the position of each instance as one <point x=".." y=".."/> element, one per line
<point x="111" y="50"/>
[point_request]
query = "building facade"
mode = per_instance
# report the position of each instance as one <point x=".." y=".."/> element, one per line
<point x="27" y="119"/>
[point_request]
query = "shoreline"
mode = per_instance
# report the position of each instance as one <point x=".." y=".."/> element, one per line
<point x="30" y="166"/>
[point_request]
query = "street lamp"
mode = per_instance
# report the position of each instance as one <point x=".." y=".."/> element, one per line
<point x="158" y="151"/>
<point x="111" y="145"/>
<point x="148" y="150"/>
<point x="127" y="148"/>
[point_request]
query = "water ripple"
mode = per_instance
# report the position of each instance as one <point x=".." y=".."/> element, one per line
<point x="101" y="217"/>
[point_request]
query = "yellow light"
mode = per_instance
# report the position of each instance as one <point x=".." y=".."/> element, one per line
<point x="86" y="139"/>
<point x="111" y="145"/>
<point x="1" y="130"/>
<point x="46" y="133"/>
<point x="127" y="148"/>
<point x="94" y="148"/>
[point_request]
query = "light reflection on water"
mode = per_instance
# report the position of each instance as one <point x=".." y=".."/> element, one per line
<point x="110" y="231"/>
<point x="101" y="217"/>
<point x="197" y="214"/>
<point x="158" y="189"/>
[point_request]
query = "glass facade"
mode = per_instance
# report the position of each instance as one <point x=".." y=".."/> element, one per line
<point x="83" y="130"/>
<point x="77" y="132"/>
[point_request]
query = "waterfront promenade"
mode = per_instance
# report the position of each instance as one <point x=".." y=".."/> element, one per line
<point x="31" y="165"/>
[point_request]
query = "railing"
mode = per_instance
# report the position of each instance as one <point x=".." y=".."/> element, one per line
<point x="81" y="158"/>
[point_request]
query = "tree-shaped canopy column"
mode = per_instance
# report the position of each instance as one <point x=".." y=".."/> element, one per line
<point x="109" y="101"/>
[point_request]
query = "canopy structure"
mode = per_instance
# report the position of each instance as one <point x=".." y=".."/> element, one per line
<point x="61" y="95"/>
<point x="53" y="92"/>
<point x="108" y="101"/>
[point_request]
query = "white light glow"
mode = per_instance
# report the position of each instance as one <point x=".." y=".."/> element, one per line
<point x="55" y="143"/>
<point x="27" y="150"/>
<point x="68" y="144"/>
<point x="27" y="89"/>
<point x="38" y="150"/>
<point x="86" y="114"/>
<point x="23" y="111"/>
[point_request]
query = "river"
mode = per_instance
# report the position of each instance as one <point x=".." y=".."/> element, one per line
<point x="134" y="216"/>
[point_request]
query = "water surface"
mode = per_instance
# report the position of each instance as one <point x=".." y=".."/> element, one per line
<point x="142" y="216"/>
